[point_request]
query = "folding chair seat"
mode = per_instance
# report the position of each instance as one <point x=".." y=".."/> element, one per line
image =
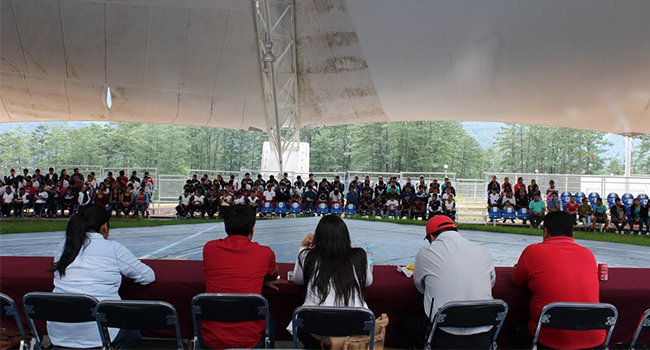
<point x="350" y="209"/>
<point x="229" y="308"/>
<point x="469" y="314"/>
<point x="577" y="317"/>
<point x="322" y="209"/>
<point x="57" y="307"/>
<point x="138" y="315"/>
<point x="295" y="208"/>
<point x="337" y="209"/>
<point x="9" y="312"/>
<point x="642" y="326"/>
<point x="333" y="322"/>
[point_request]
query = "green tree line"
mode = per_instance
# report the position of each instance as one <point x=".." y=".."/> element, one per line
<point x="423" y="146"/>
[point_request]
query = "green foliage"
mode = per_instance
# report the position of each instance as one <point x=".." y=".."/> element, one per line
<point x="524" y="148"/>
<point x="641" y="157"/>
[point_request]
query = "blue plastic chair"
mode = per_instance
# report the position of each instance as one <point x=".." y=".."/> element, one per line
<point x="628" y="200"/>
<point x="523" y="214"/>
<point x="494" y="213"/>
<point x="295" y="208"/>
<point x="280" y="208"/>
<point x="643" y="198"/>
<point x="611" y="198"/>
<point x="592" y="197"/>
<point x="336" y="209"/>
<point x="565" y="196"/>
<point x="350" y="209"/>
<point x="322" y="209"/>
<point x="509" y="213"/>
<point x="267" y="208"/>
<point x="579" y="196"/>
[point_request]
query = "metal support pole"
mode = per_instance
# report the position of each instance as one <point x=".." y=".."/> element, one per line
<point x="628" y="156"/>
<point x="275" y="30"/>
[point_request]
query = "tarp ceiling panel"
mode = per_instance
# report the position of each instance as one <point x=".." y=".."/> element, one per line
<point x="575" y="63"/>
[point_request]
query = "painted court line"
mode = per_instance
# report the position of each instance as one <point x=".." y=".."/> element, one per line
<point x="147" y="256"/>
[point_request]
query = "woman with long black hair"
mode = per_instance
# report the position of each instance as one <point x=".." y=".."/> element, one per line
<point x="87" y="262"/>
<point x="334" y="271"/>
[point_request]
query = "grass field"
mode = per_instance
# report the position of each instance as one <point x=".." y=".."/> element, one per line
<point x="45" y="225"/>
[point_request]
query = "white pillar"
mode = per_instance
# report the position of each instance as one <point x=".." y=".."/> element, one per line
<point x="628" y="155"/>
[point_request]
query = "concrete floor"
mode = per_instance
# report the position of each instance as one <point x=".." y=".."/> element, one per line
<point x="393" y="244"/>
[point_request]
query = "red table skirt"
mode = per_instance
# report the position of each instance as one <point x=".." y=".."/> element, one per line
<point x="177" y="281"/>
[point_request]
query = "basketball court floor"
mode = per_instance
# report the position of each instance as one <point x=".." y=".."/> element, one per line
<point x="392" y="244"/>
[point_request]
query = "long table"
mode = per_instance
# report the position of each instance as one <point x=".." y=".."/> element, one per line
<point x="177" y="281"/>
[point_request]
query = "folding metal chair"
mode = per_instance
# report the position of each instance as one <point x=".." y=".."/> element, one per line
<point x="577" y="317"/>
<point x="57" y="307"/>
<point x="333" y="322"/>
<point x="644" y="325"/>
<point x="141" y="315"/>
<point x="469" y="314"/>
<point x="229" y="308"/>
<point x="9" y="311"/>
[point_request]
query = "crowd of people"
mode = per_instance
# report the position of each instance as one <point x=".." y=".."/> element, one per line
<point x="450" y="268"/>
<point x="53" y="194"/>
<point x="582" y="210"/>
<point x="380" y="198"/>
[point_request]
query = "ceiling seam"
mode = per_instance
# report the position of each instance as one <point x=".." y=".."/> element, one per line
<point x="216" y="76"/>
<point x="22" y="49"/>
<point x="182" y="77"/>
<point x="65" y="60"/>
<point x="146" y="60"/>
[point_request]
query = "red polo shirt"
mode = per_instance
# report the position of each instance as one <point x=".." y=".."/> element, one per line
<point x="559" y="270"/>
<point x="235" y="265"/>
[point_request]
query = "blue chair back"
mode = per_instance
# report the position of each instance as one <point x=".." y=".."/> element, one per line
<point x="337" y="209"/>
<point x="627" y="199"/>
<point x="611" y="198"/>
<point x="509" y="213"/>
<point x="295" y="208"/>
<point x="643" y="198"/>
<point x="350" y="209"/>
<point x="280" y="208"/>
<point x="592" y="197"/>
<point x="495" y="213"/>
<point x="267" y="208"/>
<point x="322" y="209"/>
<point x="565" y="196"/>
<point x="523" y="214"/>
<point x="579" y="196"/>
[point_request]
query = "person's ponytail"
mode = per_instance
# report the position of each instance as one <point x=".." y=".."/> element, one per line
<point x="92" y="217"/>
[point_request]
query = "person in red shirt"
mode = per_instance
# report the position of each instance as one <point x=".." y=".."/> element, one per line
<point x="235" y="264"/>
<point x="559" y="270"/>
<point x="572" y="209"/>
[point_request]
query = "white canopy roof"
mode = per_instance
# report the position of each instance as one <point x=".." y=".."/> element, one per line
<point x="574" y="63"/>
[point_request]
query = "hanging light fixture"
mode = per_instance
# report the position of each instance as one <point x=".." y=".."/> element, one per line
<point x="109" y="97"/>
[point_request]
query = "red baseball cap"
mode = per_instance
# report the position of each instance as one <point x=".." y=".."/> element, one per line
<point x="440" y="223"/>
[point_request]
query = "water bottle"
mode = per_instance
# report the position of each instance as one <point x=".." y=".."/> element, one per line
<point x="369" y="256"/>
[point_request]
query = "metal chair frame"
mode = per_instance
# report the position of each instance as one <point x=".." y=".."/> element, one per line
<point x="644" y="322"/>
<point x="12" y="310"/>
<point x="297" y="321"/>
<point x="101" y="320"/>
<point x="440" y="316"/>
<point x="545" y="318"/>
<point x="263" y="310"/>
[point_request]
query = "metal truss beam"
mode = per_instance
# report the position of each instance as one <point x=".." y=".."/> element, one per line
<point x="276" y="40"/>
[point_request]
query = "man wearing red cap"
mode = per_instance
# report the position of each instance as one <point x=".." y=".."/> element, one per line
<point x="450" y="269"/>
